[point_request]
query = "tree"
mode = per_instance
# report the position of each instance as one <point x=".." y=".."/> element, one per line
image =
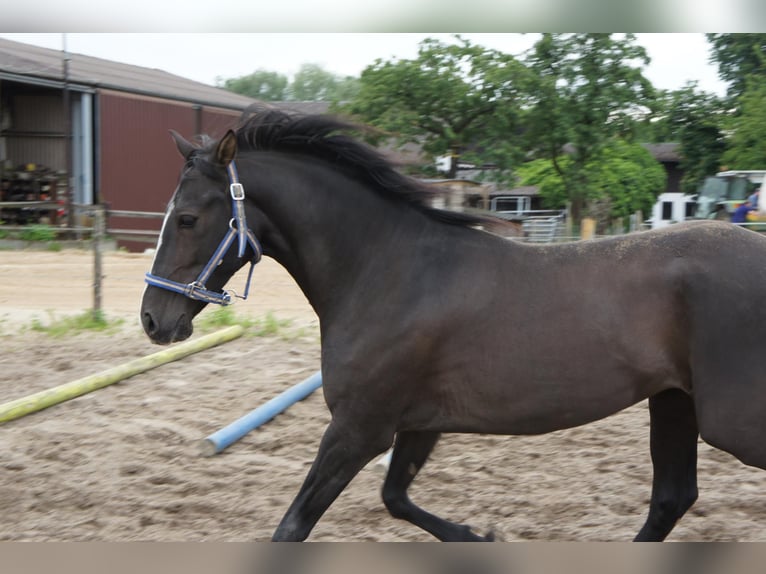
<point x="345" y="89"/>
<point x="695" y="120"/>
<point x="261" y="85"/>
<point x="738" y="56"/>
<point x="741" y="61"/>
<point x="587" y="89"/>
<point x="454" y="98"/>
<point x="313" y="83"/>
<point x="747" y="145"/>
<point x="624" y="175"/>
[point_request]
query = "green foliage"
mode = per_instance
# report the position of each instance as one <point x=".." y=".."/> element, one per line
<point x="543" y="174"/>
<point x="266" y="326"/>
<point x="739" y="56"/>
<point x="260" y="85"/>
<point x="586" y="89"/>
<point x="454" y="97"/>
<point x="674" y="110"/>
<point x="345" y="89"/>
<point x="624" y="174"/>
<point x="741" y="60"/>
<point x="630" y="177"/>
<point x="221" y="317"/>
<point x="747" y="145"/>
<point x="573" y="92"/>
<point x="72" y="325"/>
<point x="311" y="83"/>
<point x="38" y="232"/>
<point x="271" y="326"/>
<point x="696" y="121"/>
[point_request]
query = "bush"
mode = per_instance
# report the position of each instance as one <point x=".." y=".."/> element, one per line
<point x="38" y="232"/>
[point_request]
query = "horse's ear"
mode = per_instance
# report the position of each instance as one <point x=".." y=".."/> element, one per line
<point x="227" y="148"/>
<point x="184" y="146"/>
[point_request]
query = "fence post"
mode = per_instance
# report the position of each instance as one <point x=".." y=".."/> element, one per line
<point x="99" y="227"/>
<point x="587" y="228"/>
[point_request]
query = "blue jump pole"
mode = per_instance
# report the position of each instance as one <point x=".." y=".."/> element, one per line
<point x="221" y="439"/>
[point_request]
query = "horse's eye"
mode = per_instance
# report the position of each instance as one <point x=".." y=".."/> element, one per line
<point x="187" y="221"/>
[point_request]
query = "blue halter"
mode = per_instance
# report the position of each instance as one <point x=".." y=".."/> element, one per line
<point x="237" y="228"/>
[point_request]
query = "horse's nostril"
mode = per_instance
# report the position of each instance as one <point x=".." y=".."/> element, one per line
<point x="149" y="325"/>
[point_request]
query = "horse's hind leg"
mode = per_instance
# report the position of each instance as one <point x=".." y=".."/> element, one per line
<point x="411" y="450"/>
<point x="674" y="458"/>
<point x="343" y="452"/>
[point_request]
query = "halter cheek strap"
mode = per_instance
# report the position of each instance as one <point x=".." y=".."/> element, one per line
<point x="238" y="210"/>
<point x="237" y="229"/>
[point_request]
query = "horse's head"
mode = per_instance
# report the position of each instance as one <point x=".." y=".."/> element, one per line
<point x="193" y="260"/>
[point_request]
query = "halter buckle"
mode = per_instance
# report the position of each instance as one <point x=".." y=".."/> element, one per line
<point x="237" y="191"/>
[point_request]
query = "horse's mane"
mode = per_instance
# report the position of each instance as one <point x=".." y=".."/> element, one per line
<point x="328" y="138"/>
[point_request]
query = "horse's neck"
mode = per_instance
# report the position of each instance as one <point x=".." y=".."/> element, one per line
<point x="327" y="230"/>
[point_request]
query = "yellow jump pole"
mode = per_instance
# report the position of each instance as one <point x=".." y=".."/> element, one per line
<point x="49" y="397"/>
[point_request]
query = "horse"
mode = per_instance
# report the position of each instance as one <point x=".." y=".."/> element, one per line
<point x="432" y="324"/>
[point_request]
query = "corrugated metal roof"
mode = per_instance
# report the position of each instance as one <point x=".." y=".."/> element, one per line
<point x="35" y="62"/>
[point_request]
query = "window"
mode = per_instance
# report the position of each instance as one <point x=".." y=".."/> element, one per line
<point x="510" y="204"/>
<point x="667" y="210"/>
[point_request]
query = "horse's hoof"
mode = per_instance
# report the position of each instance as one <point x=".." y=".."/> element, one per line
<point x="471" y="536"/>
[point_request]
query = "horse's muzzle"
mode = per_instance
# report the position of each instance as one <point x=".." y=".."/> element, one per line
<point x="182" y="329"/>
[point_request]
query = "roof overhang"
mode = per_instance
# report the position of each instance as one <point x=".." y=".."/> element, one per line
<point x="45" y="82"/>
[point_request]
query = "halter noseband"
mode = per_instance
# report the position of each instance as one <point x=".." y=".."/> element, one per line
<point x="237" y="228"/>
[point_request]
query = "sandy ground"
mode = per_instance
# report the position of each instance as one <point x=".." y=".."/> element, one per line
<point x="122" y="463"/>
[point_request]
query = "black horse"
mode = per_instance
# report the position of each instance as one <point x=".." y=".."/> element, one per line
<point x="430" y="324"/>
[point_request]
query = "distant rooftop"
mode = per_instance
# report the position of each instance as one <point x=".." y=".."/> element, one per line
<point x="22" y="62"/>
<point x="667" y="152"/>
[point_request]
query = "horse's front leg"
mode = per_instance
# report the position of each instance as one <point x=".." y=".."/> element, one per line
<point x="343" y="452"/>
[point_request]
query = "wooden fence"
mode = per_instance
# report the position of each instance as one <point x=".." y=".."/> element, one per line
<point x="98" y="231"/>
<point x="85" y="212"/>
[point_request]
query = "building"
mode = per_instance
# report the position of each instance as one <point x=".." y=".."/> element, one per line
<point x="101" y="126"/>
<point x="667" y="154"/>
<point x="672" y="207"/>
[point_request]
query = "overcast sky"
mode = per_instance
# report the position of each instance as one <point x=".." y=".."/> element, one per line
<point x="676" y="57"/>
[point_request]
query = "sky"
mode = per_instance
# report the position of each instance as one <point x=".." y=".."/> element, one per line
<point x="676" y="58"/>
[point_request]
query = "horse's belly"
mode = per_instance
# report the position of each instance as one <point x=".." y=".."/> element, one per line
<point x="520" y="410"/>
